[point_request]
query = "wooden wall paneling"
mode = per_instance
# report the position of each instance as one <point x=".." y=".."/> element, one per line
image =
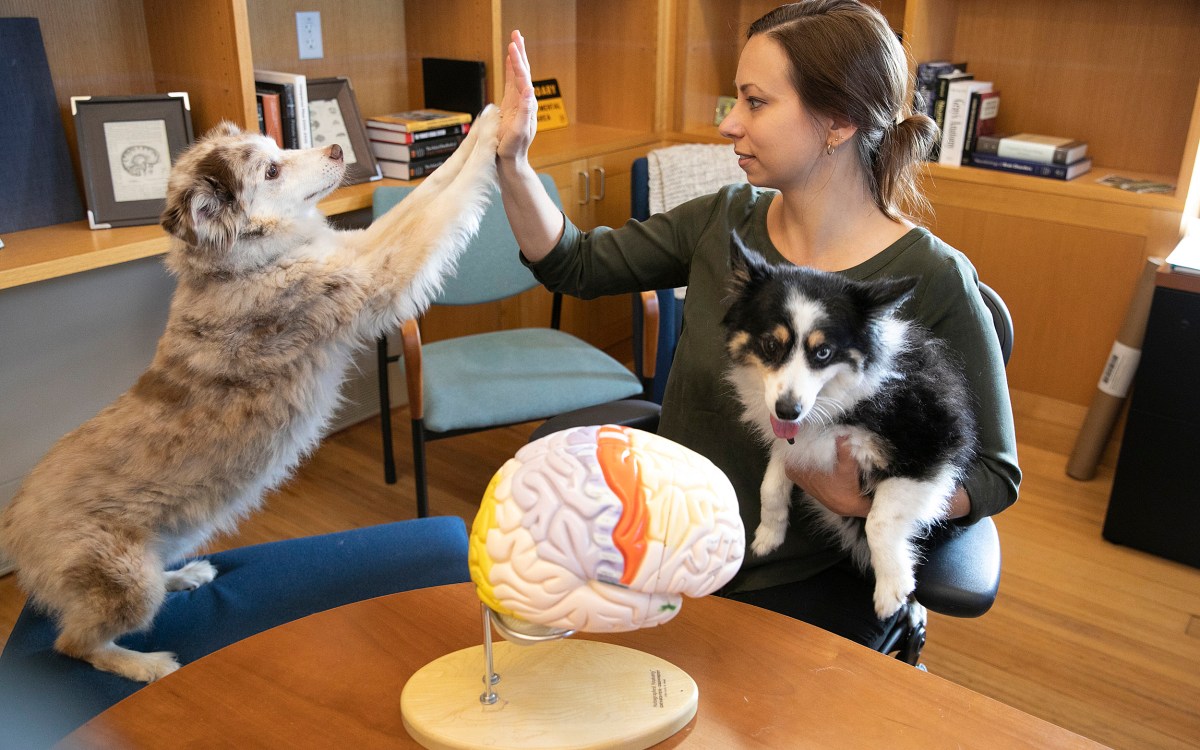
<point x="551" y="34"/>
<point x="707" y="54"/>
<point x="617" y="63"/>
<point x="1068" y="288"/>
<point x="204" y="48"/>
<point x="363" y="41"/>
<point x="457" y="29"/>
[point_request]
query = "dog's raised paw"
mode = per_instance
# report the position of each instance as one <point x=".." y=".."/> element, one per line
<point x="766" y="539"/>
<point x="190" y="576"/>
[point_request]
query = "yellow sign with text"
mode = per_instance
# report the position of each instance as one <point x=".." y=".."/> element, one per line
<point x="552" y="113"/>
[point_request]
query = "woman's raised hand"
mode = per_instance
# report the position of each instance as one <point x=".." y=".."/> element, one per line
<point x="518" y="111"/>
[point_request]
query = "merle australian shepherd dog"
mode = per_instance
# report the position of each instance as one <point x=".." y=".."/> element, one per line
<point x="270" y="304"/>
<point x="815" y="357"/>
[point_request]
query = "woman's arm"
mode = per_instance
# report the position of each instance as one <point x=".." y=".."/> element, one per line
<point x="536" y="222"/>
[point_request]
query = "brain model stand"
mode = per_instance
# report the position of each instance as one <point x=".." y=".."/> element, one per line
<point x="588" y="530"/>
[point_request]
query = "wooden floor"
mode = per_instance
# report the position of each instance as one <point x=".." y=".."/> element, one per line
<point x="1100" y="639"/>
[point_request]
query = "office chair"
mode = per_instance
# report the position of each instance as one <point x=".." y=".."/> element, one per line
<point x="45" y="695"/>
<point x="960" y="577"/>
<point x="478" y="382"/>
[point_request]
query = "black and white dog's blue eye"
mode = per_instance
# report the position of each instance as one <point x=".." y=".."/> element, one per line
<point x="272" y="171"/>
<point x="823" y="352"/>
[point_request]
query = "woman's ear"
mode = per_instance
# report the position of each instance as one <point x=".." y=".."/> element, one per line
<point x="838" y="131"/>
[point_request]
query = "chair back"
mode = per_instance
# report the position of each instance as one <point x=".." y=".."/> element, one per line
<point x="1001" y="318"/>
<point x="490" y="269"/>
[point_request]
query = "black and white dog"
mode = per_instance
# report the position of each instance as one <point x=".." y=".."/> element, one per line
<point x="816" y="356"/>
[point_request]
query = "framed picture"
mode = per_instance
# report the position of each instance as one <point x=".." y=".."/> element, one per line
<point x="333" y="117"/>
<point x="126" y="147"/>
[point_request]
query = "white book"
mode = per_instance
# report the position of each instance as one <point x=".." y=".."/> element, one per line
<point x="954" y="127"/>
<point x="1047" y="149"/>
<point x="299" y="84"/>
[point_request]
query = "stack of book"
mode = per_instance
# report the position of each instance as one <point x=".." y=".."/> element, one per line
<point x="283" y="101"/>
<point x="412" y="144"/>
<point x="1037" y="155"/>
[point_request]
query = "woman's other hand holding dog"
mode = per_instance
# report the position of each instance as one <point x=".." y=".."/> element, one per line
<point x="841" y="491"/>
<point x="536" y="221"/>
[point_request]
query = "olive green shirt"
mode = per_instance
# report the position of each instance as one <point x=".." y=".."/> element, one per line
<point x="689" y="246"/>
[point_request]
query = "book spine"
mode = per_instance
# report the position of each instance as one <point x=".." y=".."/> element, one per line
<point x="387" y="132"/>
<point x="987" y="144"/>
<point x="415" y="151"/>
<point x="272" y="118"/>
<point x="403" y="170"/>
<point x="957" y="101"/>
<point x="303" y="125"/>
<point x="1019" y="166"/>
<point x="1040" y="152"/>
<point x="969" y="129"/>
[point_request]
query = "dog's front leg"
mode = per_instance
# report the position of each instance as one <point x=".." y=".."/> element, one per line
<point x="901" y="511"/>
<point x="774" y="496"/>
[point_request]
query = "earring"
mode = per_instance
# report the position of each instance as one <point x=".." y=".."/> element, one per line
<point x="831" y="146"/>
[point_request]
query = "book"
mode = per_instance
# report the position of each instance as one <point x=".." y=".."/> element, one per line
<point x="272" y="117"/>
<point x="958" y="100"/>
<point x="454" y="85"/>
<point x="414" y="120"/>
<point x="297" y="83"/>
<point x="1034" y="168"/>
<point x="1030" y="147"/>
<point x="1185" y="258"/>
<point x="415" y="151"/>
<point x="925" y="90"/>
<point x="37" y="181"/>
<point x="388" y="134"/>
<point x="981" y="119"/>
<point x="939" y="104"/>
<point x="287" y="110"/>
<point x="411" y="170"/>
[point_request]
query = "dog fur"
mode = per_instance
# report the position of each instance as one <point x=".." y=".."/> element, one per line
<point x="270" y="304"/>
<point x="816" y="357"/>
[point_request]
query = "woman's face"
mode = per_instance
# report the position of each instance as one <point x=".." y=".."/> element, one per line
<point x="774" y="135"/>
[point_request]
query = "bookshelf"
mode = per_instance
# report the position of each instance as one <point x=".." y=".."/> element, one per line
<point x="1064" y="255"/>
<point x="210" y="48"/>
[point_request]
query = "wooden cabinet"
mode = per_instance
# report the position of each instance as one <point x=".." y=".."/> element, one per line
<point x="1065" y="256"/>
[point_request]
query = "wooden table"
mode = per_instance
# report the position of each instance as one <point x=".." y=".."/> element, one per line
<point x="334" y="679"/>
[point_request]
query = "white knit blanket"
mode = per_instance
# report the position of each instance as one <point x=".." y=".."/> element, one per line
<point x="680" y="173"/>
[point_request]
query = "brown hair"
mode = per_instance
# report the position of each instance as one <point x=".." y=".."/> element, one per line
<point x="846" y="62"/>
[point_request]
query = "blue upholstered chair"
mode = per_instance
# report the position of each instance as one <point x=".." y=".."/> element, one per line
<point x="44" y="695"/>
<point x="481" y="381"/>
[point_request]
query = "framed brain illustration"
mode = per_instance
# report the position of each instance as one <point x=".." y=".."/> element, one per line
<point x="126" y="147"/>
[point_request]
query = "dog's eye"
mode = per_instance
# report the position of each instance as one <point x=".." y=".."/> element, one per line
<point x="822" y="353"/>
<point x="272" y="171"/>
<point x="771" y="346"/>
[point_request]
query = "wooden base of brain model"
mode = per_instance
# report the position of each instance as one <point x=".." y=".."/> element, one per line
<point x="603" y="529"/>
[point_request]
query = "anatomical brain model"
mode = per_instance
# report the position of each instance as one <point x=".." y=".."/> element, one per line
<point x="602" y="529"/>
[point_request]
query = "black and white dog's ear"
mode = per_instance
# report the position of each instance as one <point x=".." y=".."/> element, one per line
<point x="745" y="265"/>
<point x="884" y="296"/>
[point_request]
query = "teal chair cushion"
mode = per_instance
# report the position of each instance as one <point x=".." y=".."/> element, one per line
<point x="507" y="377"/>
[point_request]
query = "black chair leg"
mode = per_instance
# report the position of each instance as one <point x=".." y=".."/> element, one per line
<point x="914" y="642"/>
<point x="385" y="412"/>
<point x="418" y="439"/>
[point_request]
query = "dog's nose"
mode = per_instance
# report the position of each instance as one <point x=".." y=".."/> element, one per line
<point x="334" y="152"/>
<point x="787" y="410"/>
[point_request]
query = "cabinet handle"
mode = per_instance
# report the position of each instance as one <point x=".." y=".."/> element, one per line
<point x="587" y="187"/>
<point x="600" y="171"/>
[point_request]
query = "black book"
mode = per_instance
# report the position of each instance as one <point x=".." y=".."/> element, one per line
<point x="287" y="110"/>
<point x="454" y="85"/>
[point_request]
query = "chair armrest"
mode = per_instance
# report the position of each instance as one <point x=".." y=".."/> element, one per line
<point x="960" y="575"/>
<point x="410" y="337"/>
<point x="649" y="334"/>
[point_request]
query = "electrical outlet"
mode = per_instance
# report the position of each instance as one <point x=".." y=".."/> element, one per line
<point x="308" y="35"/>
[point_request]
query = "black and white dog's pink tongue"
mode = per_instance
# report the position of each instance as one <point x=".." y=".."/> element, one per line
<point x="784" y="430"/>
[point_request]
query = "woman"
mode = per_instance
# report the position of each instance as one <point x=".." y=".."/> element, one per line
<point x="830" y="147"/>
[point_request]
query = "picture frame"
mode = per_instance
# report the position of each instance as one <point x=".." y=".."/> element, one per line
<point x="334" y="118"/>
<point x="127" y="145"/>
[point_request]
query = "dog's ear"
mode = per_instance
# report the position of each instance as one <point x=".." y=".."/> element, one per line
<point x="884" y="296"/>
<point x="203" y="213"/>
<point x="745" y="265"/>
<point x="223" y="128"/>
